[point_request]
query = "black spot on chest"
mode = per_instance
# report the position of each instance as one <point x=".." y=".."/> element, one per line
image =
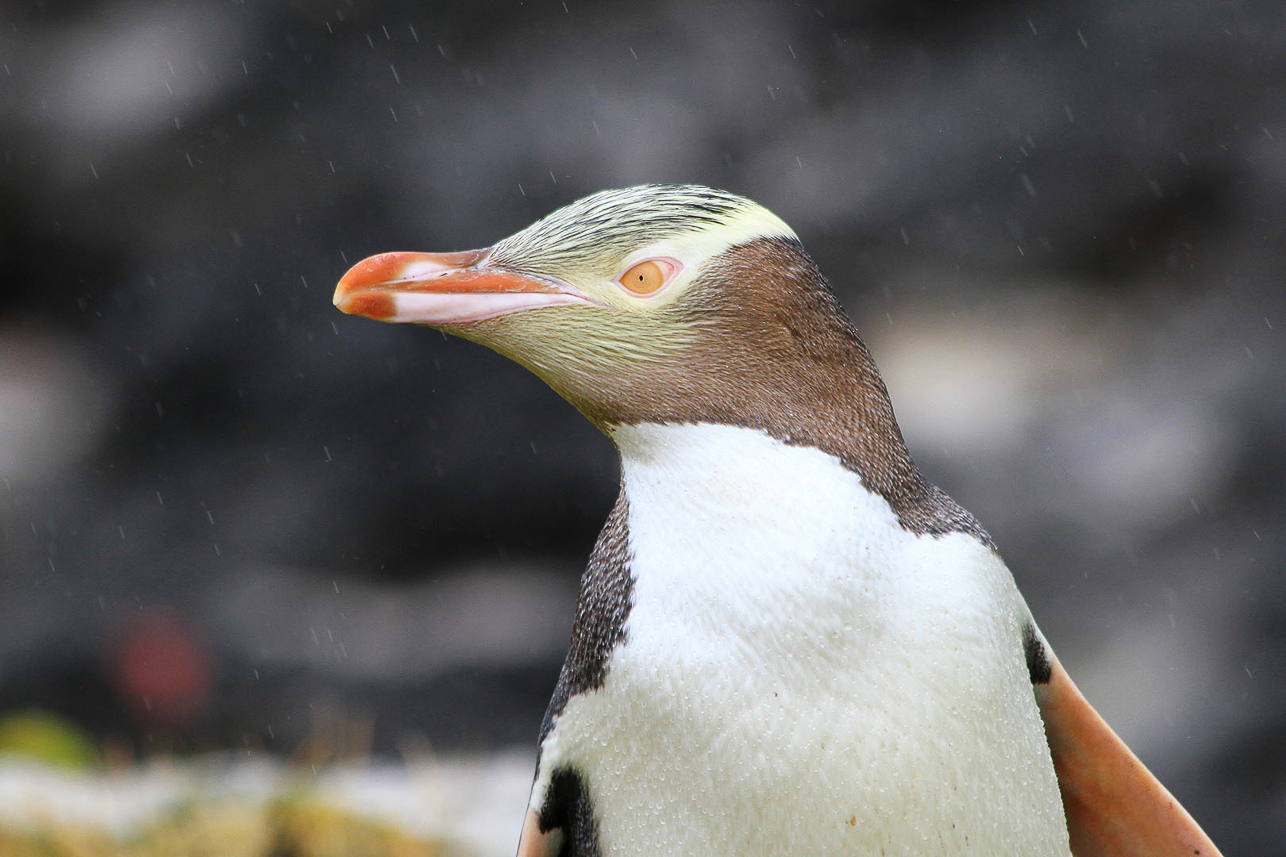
<point x="567" y="807"/>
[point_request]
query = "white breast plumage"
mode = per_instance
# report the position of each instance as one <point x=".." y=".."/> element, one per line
<point x="796" y="659"/>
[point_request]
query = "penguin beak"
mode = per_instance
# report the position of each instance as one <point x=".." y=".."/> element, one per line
<point x="444" y="289"/>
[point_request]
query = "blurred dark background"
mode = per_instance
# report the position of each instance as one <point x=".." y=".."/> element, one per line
<point x="229" y="513"/>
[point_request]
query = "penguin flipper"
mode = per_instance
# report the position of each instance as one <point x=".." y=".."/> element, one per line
<point x="1114" y="805"/>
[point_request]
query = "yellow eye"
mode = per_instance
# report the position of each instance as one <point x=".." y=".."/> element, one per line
<point x="646" y="278"/>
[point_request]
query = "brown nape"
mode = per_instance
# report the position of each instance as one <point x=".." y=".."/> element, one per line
<point x="776" y="352"/>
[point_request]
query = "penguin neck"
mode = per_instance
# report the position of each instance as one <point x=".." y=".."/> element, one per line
<point x="773" y="351"/>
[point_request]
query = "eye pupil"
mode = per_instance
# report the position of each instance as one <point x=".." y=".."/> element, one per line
<point x="647" y="277"/>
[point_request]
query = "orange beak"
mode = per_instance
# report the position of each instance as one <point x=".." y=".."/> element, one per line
<point x="444" y="289"/>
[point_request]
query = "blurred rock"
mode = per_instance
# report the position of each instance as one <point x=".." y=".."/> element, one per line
<point x="53" y="404"/>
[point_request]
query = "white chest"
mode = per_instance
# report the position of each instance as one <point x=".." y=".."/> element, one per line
<point x="802" y="675"/>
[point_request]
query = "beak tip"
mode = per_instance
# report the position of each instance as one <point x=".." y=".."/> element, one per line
<point x="355" y="294"/>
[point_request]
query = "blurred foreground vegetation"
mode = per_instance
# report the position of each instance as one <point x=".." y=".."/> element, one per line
<point x="197" y="824"/>
<point x="283" y="828"/>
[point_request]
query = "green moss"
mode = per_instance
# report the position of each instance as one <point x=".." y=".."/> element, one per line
<point x="46" y="738"/>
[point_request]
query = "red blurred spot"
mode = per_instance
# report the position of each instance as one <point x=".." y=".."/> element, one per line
<point x="163" y="670"/>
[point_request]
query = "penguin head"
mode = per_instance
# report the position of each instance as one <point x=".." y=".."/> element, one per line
<point x="656" y="302"/>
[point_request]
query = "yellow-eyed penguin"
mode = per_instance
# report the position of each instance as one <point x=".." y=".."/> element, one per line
<point x="787" y="642"/>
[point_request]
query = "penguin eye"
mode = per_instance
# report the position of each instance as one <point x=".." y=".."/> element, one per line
<point x="648" y="277"/>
